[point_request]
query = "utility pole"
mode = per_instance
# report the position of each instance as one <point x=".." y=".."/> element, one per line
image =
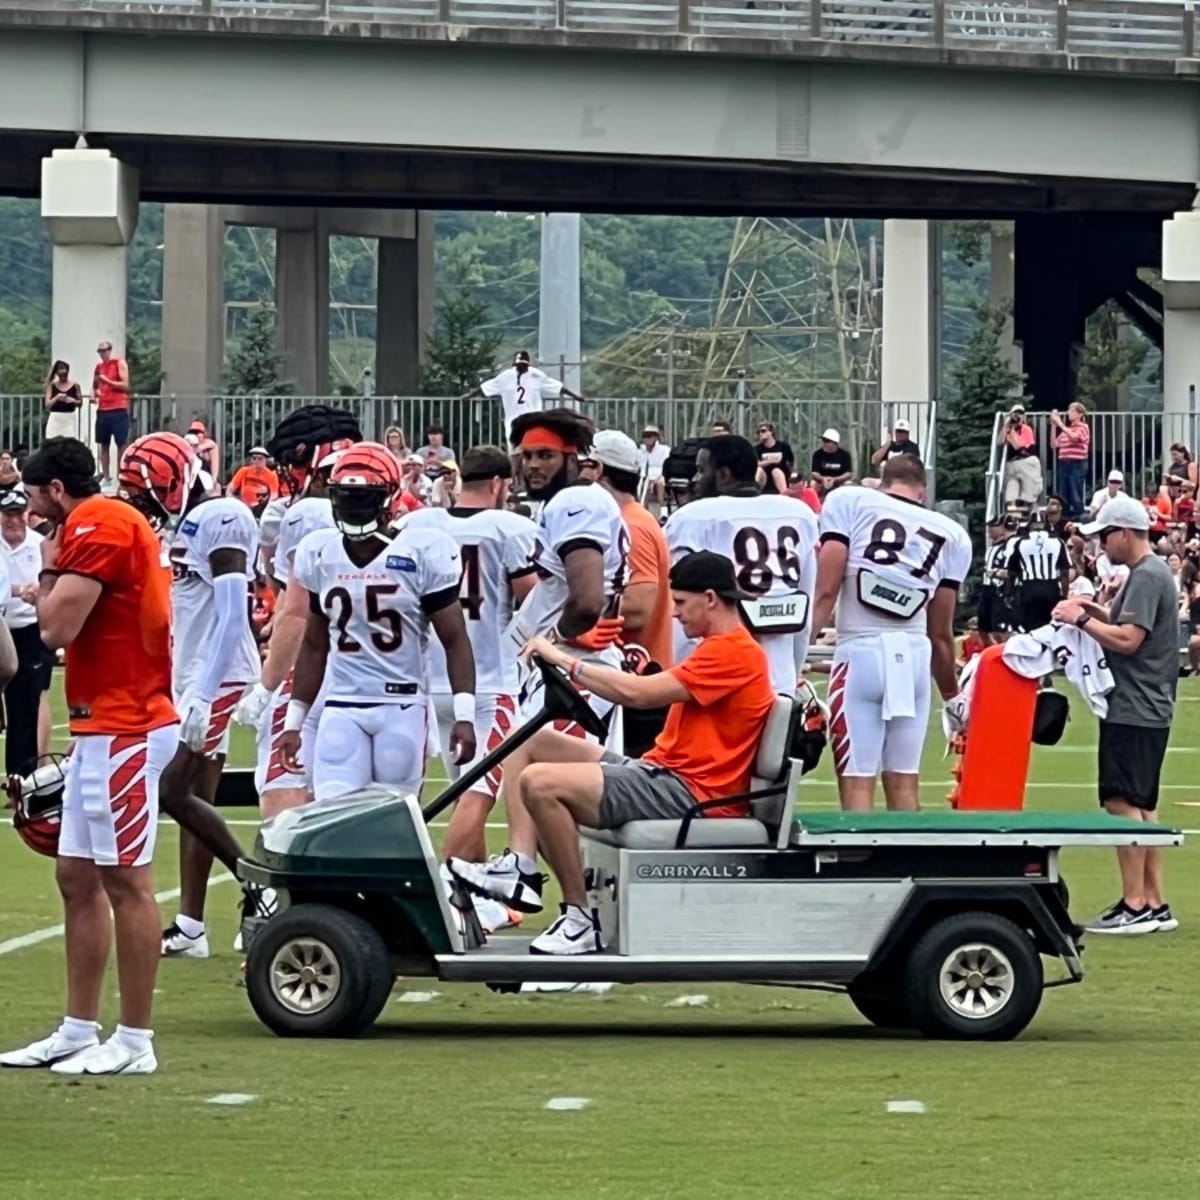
<point x="558" y="316"/>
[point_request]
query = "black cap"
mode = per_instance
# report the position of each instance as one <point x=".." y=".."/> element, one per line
<point x="13" y="499"/>
<point x="704" y="571"/>
<point x="521" y="356"/>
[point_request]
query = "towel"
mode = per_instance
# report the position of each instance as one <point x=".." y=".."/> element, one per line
<point x="899" y="680"/>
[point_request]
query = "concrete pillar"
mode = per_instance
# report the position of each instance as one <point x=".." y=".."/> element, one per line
<point x="193" y="312"/>
<point x="404" y="304"/>
<point x="558" y="319"/>
<point x="1181" y="327"/>
<point x="1002" y="288"/>
<point x="302" y="299"/>
<point x="910" y="367"/>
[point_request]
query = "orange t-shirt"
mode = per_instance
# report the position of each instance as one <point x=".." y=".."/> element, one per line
<point x="711" y="740"/>
<point x="118" y="677"/>
<point x="650" y="562"/>
<point x="249" y="482"/>
<point x="109" y="398"/>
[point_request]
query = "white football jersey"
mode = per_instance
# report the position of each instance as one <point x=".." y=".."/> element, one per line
<point x="585" y="515"/>
<point x="307" y="514"/>
<point x="377" y="621"/>
<point x="899" y="553"/>
<point x="496" y="547"/>
<point x="222" y="523"/>
<point x="524" y="393"/>
<point x="771" y="541"/>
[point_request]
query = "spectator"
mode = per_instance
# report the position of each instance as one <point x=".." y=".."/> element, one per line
<point x="110" y="389"/>
<point x="445" y="486"/>
<point x="522" y="389"/>
<point x="831" y="465"/>
<point x="1181" y="465"/>
<point x="652" y="457"/>
<point x="775" y="460"/>
<point x="393" y="439"/>
<point x="250" y="481"/>
<point x="720" y="427"/>
<point x="805" y="489"/>
<point x="1022" y="470"/>
<point x="64" y="398"/>
<point x="1082" y="566"/>
<point x="1056" y="521"/>
<point x="899" y="443"/>
<point x="1072" y="442"/>
<point x="435" y="449"/>
<point x="1190" y="602"/>
<point x="416" y="482"/>
<point x="206" y="449"/>
<point x="1115" y="487"/>
<point x="6" y="463"/>
<point x="25" y="702"/>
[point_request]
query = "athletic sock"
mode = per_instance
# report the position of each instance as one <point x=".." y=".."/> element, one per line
<point x="525" y="864"/>
<point x="189" y="927"/>
<point x="135" y="1040"/>
<point x="74" y="1030"/>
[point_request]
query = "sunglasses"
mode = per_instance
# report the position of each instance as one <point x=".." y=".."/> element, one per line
<point x="1107" y="532"/>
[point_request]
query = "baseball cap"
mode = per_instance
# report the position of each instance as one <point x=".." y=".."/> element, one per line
<point x="1017" y="408"/>
<point x="521" y="356"/>
<point x="1116" y="477"/>
<point x="14" y="500"/>
<point x="831" y="435"/>
<point x="654" y="429"/>
<point x="197" y="427"/>
<point x="1121" y="512"/>
<point x="902" y="426"/>
<point x="704" y="571"/>
<point x="259" y="450"/>
<point x="614" y="449"/>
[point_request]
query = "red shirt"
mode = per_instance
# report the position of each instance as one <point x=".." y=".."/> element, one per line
<point x="108" y="397"/>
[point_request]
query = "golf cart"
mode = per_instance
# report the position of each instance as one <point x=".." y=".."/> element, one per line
<point x="937" y="921"/>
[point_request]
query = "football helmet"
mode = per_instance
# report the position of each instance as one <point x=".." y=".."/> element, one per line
<point x="362" y="488"/>
<point x="36" y="800"/>
<point x="304" y="440"/>
<point x="157" y="475"/>
<point x="810" y="733"/>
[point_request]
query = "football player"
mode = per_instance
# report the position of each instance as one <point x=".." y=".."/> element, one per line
<point x="771" y="541"/>
<point x="580" y="556"/>
<point x="496" y="548"/>
<point x="372" y="598"/>
<point x="214" y="654"/>
<point x="893" y="568"/>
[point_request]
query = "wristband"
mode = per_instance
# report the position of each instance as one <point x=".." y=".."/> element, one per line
<point x="293" y="720"/>
<point x="464" y="707"/>
<point x="48" y="571"/>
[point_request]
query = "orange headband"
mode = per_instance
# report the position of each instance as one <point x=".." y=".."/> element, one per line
<point x="546" y="439"/>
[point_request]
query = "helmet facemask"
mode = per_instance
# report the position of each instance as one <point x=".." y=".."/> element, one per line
<point x="359" y="512"/>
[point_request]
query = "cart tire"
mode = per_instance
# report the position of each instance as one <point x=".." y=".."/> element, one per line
<point x="318" y="971"/>
<point x="881" y="1000"/>
<point x="974" y="976"/>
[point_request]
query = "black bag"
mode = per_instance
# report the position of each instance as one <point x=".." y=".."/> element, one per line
<point x="1050" y="715"/>
<point x="680" y="468"/>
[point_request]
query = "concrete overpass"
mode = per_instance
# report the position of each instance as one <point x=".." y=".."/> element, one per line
<point x="1079" y="117"/>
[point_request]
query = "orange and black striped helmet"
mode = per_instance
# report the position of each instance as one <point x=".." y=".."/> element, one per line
<point x="157" y="475"/>
<point x="362" y="486"/>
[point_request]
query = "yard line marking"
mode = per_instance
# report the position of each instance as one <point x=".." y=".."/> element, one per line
<point x="44" y="935"/>
<point x="567" y="1103"/>
<point x="905" y="1106"/>
<point x="697" y="1001"/>
<point x="416" y="997"/>
<point x="231" y="1098"/>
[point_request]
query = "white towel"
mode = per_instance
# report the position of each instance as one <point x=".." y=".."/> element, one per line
<point x="1080" y="657"/>
<point x="899" y="680"/>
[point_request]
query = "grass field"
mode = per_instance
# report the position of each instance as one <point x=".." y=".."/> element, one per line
<point x="758" y="1093"/>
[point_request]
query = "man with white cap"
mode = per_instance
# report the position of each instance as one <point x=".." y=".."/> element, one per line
<point x="1022" y="468"/>
<point x="652" y="457"/>
<point x="831" y="465"/>
<point x="899" y="443"/>
<point x="1139" y="634"/>
<point x="1114" y="487"/>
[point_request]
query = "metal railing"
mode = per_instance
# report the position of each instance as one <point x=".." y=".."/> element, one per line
<point x="1135" y="443"/>
<point x="1137" y="29"/>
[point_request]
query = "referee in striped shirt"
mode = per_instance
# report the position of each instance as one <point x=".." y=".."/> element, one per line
<point x="1039" y="573"/>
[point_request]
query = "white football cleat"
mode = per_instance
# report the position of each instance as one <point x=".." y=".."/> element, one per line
<point x="177" y="944"/>
<point x="575" y="931"/>
<point x="46" y="1052"/>
<point x="111" y="1058"/>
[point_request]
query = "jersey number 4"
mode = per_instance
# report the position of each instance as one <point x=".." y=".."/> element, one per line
<point x="887" y="543"/>
<point x="385" y="640"/>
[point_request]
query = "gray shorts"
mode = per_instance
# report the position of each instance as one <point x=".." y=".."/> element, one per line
<point x="640" y="791"/>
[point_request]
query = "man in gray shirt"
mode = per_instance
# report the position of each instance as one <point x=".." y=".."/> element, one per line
<point x="1140" y="637"/>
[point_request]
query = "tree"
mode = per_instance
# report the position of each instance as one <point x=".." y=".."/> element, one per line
<point x="256" y="365"/>
<point x="983" y="383"/>
<point x="1108" y="358"/>
<point x="460" y="349"/>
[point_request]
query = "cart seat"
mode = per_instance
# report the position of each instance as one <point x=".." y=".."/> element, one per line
<point x="771" y="774"/>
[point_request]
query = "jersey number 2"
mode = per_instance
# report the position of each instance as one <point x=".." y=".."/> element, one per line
<point x="385" y="642"/>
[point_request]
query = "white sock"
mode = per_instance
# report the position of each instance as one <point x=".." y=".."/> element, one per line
<point x="136" y="1040"/>
<point x="74" y="1030"/>
<point x="525" y="864"/>
<point x="578" y="915"/>
<point x="189" y="927"/>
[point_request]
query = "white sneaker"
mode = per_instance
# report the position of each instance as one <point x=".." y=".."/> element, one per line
<point x="47" y="1052"/>
<point x="494" y="916"/>
<point x="501" y="879"/>
<point x="576" y="931"/>
<point x="111" y="1058"/>
<point x="177" y="944"/>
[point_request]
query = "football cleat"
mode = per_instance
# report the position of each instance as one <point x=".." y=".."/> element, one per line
<point x="109" y="1058"/>
<point x="46" y="1051"/>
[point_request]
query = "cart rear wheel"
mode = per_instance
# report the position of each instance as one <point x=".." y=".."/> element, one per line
<point x="973" y="976"/>
<point x="318" y="971"/>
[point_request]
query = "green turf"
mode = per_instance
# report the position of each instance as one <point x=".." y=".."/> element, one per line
<point x="761" y="1093"/>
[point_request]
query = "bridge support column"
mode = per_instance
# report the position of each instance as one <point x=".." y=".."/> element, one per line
<point x="302" y="298"/>
<point x="910" y="369"/>
<point x="404" y="303"/>
<point x="90" y="209"/>
<point x="193" y="312"/>
<point x="1181" y="328"/>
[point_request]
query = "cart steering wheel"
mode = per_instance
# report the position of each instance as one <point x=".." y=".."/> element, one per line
<point x="563" y="703"/>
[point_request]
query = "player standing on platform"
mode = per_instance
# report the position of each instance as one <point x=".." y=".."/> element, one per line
<point x="214" y="655"/>
<point x="893" y="568"/>
<point x="373" y="598"/>
<point x="104" y="597"/>
<point x="771" y="541"/>
<point x="580" y="556"/>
